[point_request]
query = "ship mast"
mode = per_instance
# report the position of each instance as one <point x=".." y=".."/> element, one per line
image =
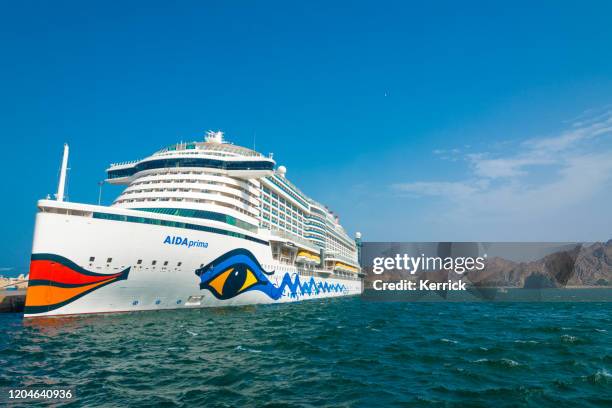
<point x="62" y="179"/>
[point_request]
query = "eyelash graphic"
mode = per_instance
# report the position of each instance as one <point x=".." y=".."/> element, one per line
<point x="238" y="271"/>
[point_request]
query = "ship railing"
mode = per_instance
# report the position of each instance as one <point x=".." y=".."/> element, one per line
<point x="295" y="238"/>
<point x="124" y="163"/>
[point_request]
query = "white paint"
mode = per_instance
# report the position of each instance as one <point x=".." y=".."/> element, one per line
<point x="62" y="179"/>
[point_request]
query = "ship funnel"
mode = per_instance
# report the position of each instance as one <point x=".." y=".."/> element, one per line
<point x="61" y="186"/>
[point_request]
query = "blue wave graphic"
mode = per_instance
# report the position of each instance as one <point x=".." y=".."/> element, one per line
<point x="238" y="271"/>
<point x="311" y="287"/>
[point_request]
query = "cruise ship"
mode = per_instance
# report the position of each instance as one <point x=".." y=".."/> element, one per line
<point x="200" y="224"/>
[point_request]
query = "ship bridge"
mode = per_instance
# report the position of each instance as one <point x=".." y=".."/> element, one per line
<point x="210" y="179"/>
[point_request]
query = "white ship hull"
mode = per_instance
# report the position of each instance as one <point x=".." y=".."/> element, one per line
<point x="82" y="264"/>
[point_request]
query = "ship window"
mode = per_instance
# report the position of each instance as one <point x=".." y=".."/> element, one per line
<point x="166" y="263"/>
<point x="117" y="217"/>
<point x="139" y="262"/>
<point x="153" y="262"/>
<point x="92" y="258"/>
<point x="203" y="214"/>
<point x="109" y="260"/>
<point x="179" y="264"/>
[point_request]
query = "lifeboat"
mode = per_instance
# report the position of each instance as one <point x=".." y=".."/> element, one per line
<point x="308" y="258"/>
<point x="344" y="267"/>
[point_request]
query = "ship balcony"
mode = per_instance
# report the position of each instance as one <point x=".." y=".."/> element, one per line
<point x="283" y="236"/>
<point x="342" y="258"/>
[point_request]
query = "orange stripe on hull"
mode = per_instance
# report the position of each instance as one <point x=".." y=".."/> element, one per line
<point x="44" y="295"/>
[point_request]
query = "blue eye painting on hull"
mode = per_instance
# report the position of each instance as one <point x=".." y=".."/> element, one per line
<point x="238" y="271"/>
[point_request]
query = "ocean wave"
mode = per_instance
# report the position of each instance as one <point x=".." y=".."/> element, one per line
<point x="249" y="350"/>
<point x="602" y="376"/>
<point x="526" y="341"/>
<point x="510" y="363"/>
<point x="504" y="362"/>
<point x="566" y="338"/>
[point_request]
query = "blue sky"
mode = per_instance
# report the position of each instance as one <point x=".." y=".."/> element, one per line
<point x="415" y="122"/>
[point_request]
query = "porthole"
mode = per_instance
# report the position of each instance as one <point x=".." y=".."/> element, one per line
<point x="178" y="302"/>
<point x="134" y="303"/>
<point x="157" y="302"/>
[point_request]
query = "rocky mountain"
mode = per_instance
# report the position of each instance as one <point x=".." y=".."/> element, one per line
<point x="584" y="265"/>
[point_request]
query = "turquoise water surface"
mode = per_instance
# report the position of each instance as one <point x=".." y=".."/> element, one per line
<point x="336" y="352"/>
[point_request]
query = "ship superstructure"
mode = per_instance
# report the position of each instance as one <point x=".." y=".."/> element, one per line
<point x="198" y="224"/>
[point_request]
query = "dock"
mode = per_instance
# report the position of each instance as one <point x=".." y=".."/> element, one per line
<point x="12" y="301"/>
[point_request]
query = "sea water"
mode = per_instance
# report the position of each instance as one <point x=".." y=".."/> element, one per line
<point x="335" y="352"/>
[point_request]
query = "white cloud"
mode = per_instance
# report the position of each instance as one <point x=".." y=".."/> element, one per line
<point x="542" y="151"/>
<point x="506" y="167"/>
<point x="580" y="132"/>
<point x="450" y="154"/>
<point x="452" y="189"/>
<point x="540" y="183"/>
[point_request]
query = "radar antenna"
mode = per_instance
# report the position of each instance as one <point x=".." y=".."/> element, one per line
<point x="214" y="137"/>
